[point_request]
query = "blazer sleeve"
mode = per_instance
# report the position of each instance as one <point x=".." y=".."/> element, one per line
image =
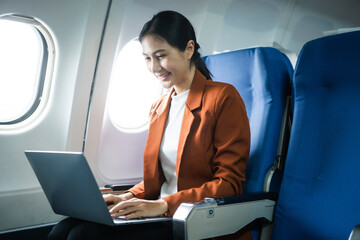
<point x="232" y="144"/>
<point x="138" y="190"/>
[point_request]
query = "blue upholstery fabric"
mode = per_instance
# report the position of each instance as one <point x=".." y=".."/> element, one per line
<point x="261" y="76"/>
<point x="320" y="193"/>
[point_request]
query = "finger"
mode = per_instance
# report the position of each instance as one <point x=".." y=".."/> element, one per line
<point x="126" y="207"/>
<point x="108" y="197"/>
<point x="109" y="202"/>
<point x="133" y="215"/>
<point x="123" y="205"/>
<point x="123" y="212"/>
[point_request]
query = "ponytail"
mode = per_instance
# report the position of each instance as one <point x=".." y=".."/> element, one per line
<point x="199" y="62"/>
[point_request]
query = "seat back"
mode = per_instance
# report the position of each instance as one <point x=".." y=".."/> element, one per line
<point x="261" y="76"/>
<point x="319" y="196"/>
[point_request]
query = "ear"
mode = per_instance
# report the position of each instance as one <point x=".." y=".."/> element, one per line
<point x="190" y="48"/>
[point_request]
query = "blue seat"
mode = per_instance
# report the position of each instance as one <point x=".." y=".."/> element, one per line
<point x="261" y="76"/>
<point x="319" y="196"/>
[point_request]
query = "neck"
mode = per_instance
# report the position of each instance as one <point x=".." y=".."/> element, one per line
<point x="185" y="85"/>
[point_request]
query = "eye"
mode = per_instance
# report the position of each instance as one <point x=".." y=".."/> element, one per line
<point x="147" y="59"/>
<point x="161" y="56"/>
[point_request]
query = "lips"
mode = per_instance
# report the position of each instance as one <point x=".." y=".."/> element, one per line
<point x="163" y="77"/>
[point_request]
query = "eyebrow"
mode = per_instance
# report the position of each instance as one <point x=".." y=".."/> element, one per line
<point x="155" y="52"/>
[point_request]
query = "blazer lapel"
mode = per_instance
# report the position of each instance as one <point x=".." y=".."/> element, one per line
<point x="193" y="102"/>
<point x="151" y="155"/>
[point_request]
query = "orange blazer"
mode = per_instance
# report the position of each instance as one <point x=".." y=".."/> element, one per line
<point x="213" y="147"/>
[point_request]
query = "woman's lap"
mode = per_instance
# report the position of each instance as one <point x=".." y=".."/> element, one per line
<point x="71" y="229"/>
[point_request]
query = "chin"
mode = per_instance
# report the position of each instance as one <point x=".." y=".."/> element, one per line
<point x="167" y="86"/>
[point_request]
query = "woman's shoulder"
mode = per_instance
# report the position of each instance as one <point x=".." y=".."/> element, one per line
<point x="220" y="88"/>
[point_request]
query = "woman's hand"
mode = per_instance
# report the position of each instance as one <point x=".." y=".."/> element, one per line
<point x="135" y="208"/>
<point x="111" y="200"/>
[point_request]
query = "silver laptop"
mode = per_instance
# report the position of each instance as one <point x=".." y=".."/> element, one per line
<point x="71" y="189"/>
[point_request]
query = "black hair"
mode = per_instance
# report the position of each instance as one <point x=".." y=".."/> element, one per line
<point x="177" y="30"/>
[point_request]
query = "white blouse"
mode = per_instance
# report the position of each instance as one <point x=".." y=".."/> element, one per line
<point x="170" y="142"/>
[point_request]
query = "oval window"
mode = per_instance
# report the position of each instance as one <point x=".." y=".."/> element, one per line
<point x="132" y="89"/>
<point x="24" y="58"/>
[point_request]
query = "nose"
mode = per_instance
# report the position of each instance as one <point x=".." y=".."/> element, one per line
<point x="155" y="66"/>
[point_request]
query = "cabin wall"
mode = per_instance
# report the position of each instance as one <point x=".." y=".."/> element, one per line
<point x="22" y="202"/>
<point x="83" y="66"/>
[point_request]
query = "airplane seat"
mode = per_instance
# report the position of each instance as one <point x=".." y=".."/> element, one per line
<point x="261" y="76"/>
<point x="319" y="194"/>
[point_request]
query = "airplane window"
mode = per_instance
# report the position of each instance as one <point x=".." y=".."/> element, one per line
<point x="23" y="60"/>
<point x="132" y="89"/>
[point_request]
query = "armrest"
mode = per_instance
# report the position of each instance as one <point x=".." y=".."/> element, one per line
<point x="355" y="234"/>
<point x="221" y="216"/>
<point x="119" y="187"/>
<point x="115" y="188"/>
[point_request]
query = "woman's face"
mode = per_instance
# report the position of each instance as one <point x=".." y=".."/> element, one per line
<point x="171" y="66"/>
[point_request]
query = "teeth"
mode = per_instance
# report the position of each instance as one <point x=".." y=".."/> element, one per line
<point x="164" y="75"/>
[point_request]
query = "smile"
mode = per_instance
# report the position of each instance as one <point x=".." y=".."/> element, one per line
<point x="163" y="77"/>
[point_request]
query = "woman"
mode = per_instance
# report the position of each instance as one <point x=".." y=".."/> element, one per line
<point x="199" y="138"/>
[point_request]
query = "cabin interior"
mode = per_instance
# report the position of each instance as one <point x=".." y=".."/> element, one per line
<point x="90" y="67"/>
